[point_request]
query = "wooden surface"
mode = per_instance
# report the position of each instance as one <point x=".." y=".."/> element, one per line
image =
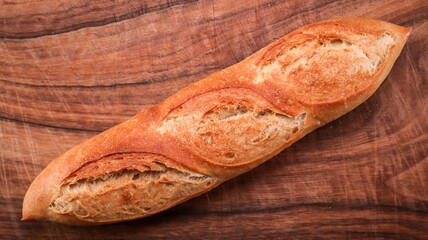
<point x="71" y="69"/>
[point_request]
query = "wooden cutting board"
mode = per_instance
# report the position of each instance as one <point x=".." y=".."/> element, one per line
<point x="71" y="69"/>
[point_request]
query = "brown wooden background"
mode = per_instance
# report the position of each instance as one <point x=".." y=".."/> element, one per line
<point x="71" y="69"/>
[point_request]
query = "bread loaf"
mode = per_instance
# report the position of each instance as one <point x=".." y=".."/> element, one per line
<point x="220" y="127"/>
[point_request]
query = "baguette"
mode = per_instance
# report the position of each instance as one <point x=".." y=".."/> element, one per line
<point x="220" y="127"/>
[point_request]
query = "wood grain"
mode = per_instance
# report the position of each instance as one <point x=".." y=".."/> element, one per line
<point x="71" y="69"/>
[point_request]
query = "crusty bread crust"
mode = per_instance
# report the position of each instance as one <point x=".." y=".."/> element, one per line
<point x="219" y="127"/>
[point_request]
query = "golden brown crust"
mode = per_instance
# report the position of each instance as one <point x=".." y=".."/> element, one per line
<point x="225" y="124"/>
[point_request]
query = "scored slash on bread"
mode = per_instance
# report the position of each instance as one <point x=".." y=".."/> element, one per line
<point x="220" y="127"/>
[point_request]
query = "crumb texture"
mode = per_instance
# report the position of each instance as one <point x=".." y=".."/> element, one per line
<point x="231" y="126"/>
<point x="126" y="186"/>
<point x="326" y="67"/>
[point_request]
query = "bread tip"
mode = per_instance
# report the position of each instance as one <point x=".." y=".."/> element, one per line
<point x="26" y="218"/>
<point x="28" y="214"/>
<point x="405" y="31"/>
<point x="408" y="30"/>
